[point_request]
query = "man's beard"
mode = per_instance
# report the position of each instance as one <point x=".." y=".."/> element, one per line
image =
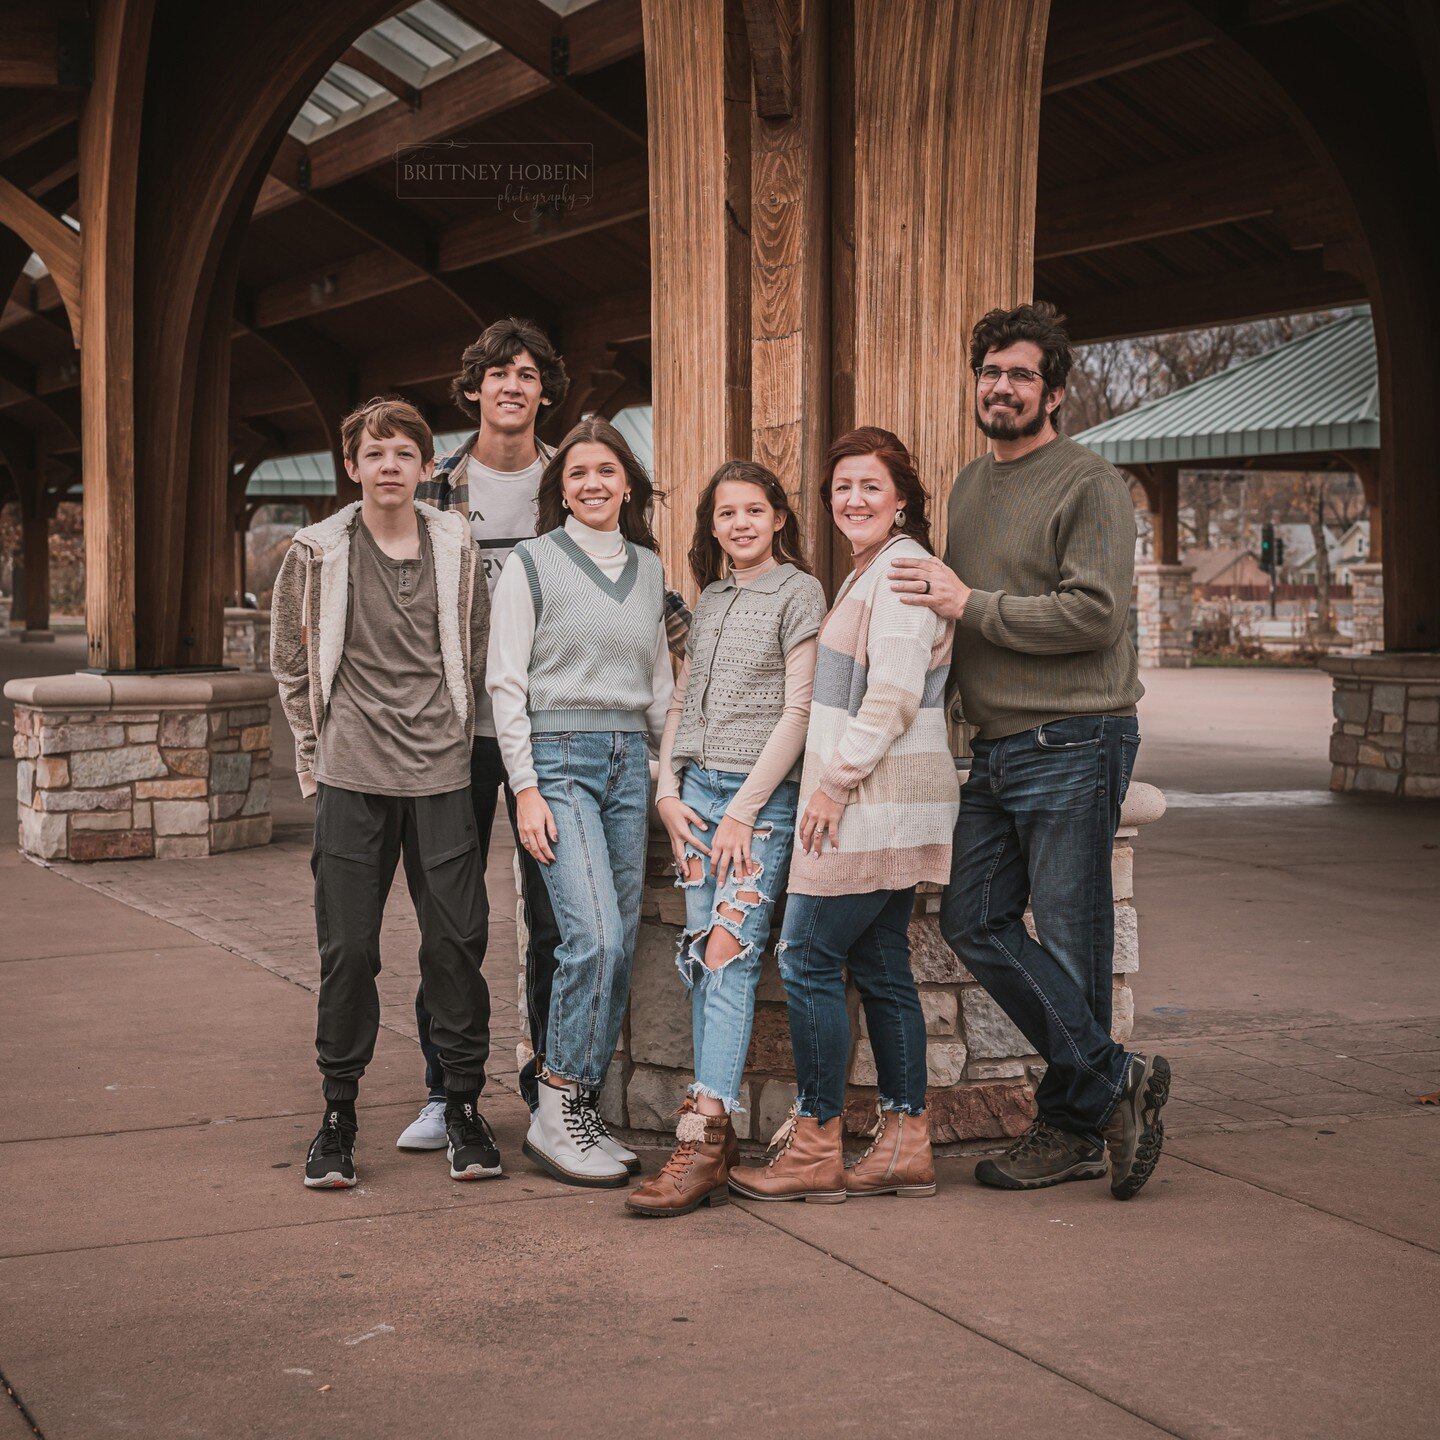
<point x="1006" y="428"/>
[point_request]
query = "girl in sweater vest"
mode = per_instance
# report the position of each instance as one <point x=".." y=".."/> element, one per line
<point x="878" y="800"/>
<point x="729" y="767"/>
<point x="579" y="676"/>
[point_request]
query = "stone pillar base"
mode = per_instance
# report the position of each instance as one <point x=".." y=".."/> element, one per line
<point x="1367" y="607"/>
<point x="123" y="767"/>
<point x="1386" y="739"/>
<point x="1164" y="598"/>
<point x="36" y="637"/>
<point x="981" y="1069"/>
<point x="247" y="639"/>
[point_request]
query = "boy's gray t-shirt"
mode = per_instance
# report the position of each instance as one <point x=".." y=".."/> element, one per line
<point x="391" y="728"/>
<point x="502" y="513"/>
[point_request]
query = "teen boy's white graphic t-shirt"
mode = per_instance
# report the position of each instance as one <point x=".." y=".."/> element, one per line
<point x="502" y="513"/>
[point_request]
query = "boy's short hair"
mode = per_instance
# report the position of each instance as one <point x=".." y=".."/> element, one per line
<point x="499" y="345"/>
<point x="385" y="416"/>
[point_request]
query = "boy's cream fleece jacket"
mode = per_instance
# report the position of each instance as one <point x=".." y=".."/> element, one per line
<point x="310" y="608"/>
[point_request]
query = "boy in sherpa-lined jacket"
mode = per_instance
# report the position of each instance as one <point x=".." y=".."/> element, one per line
<point x="378" y="639"/>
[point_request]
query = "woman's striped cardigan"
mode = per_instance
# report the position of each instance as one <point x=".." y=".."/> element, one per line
<point x="877" y="740"/>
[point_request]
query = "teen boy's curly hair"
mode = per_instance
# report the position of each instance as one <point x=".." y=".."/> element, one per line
<point x="499" y="345"/>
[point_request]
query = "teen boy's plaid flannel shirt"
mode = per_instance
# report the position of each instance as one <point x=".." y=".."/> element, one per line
<point x="445" y="493"/>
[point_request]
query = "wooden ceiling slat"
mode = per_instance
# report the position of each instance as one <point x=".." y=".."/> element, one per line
<point x="1092" y="39"/>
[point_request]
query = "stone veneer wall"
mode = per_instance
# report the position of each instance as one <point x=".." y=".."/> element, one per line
<point x="1367" y="606"/>
<point x="1386" y="738"/>
<point x="135" y="766"/>
<point x="1164" y="600"/>
<point x="981" y="1069"/>
<point x="247" y="639"/>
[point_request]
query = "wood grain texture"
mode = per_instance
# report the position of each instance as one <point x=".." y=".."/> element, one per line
<point x="790" y="284"/>
<point x="110" y="125"/>
<point x="947" y="100"/>
<point x="51" y="239"/>
<point x="697" y="70"/>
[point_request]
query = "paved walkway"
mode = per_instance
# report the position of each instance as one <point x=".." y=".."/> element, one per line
<point x="166" y="1274"/>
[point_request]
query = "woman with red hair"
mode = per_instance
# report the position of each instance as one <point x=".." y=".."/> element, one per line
<point x="878" y="801"/>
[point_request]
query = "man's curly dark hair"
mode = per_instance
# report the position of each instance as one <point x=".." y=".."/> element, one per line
<point x="499" y="345"/>
<point x="1040" y="323"/>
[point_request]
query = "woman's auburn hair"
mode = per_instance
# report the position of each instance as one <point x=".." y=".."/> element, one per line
<point x="708" y="560"/>
<point x="890" y="451"/>
<point x="634" y="513"/>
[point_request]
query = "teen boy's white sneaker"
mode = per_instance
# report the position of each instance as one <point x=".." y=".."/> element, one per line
<point x="608" y="1143"/>
<point x="562" y="1140"/>
<point x="427" y="1130"/>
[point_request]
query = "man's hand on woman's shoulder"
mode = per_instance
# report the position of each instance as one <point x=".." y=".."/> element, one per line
<point x="931" y="583"/>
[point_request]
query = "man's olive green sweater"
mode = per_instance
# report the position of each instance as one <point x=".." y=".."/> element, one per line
<point x="1047" y="545"/>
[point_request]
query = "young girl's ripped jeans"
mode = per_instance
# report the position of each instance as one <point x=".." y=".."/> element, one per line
<point x="723" y="999"/>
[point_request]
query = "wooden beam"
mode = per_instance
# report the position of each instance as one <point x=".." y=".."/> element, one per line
<point x="621" y="193"/>
<point x="529" y="29"/>
<point x="382" y="75"/>
<point x="790" y="284"/>
<point x="1092" y="39"/>
<point x="43" y="45"/>
<point x="697" y="71"/>
<point x="51" y="239"/>
<point x="28" y="120"/>
<point x="109" y="177"/>
<point x="946" y="134"/>
<point x="1285" y="288"/>
<point x="381" y="220"/>
<point x="773" y="28"/>
<point x="1172" y="197"/>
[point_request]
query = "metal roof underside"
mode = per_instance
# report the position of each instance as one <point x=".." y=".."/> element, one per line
<point x="1309" y="396"/>
<point x="417" y="45"/>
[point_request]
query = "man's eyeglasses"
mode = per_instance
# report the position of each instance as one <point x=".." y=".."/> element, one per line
<point x="1018" y="375"/>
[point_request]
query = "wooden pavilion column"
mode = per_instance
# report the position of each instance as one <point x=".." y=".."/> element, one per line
<point x="698" y="98"/>
<point x="1161" y="484"/>
<point x="174" y="147"/>
<point x="945" y="100"/>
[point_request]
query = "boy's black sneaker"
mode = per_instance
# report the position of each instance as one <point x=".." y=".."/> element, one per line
<point x="331" y="1162"/>
<point x="1135" y="1131"/>
<point x="1043" y="1155"/>
<point x="473" y="1152"/>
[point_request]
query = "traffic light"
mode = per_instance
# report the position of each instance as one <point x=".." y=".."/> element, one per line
<point x="1279" y="552"/>
<point x="1268" y="560"/>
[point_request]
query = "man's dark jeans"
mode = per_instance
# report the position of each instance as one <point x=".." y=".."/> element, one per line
<point x="1037" y="824"/>
<point x="487" y="779"/>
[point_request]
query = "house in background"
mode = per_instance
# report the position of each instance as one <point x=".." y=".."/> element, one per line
<point x="1227" y="567"/>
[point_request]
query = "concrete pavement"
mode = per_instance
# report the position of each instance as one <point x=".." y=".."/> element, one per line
<point x="165" y="1273"/>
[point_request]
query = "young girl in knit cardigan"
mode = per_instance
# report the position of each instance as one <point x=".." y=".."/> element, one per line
<point x="879" y="798"/>
<point x="579" y="676"/>
<point x="729" y="762"/>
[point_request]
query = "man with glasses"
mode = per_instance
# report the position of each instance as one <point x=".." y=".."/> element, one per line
<point x="1037" y="575"/>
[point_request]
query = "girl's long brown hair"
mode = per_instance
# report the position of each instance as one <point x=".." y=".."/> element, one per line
<point x="707" y="556"/>
<point x="634" y="513"/>
<point x="890" y="451"/>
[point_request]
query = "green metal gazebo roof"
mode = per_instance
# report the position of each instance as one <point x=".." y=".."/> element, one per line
<point x="1316" y="394"/>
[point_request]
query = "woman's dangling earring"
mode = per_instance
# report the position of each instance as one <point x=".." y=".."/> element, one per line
<point x="899" y="519"/>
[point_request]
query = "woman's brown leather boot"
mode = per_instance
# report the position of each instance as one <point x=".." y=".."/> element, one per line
<point x="697" y="1171"/>
<point x="808" y="1165"/>
<point x="898" y="1161"/>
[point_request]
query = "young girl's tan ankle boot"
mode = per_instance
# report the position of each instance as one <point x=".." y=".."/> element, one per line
<point x="898" y="1161"/>
<point x="695" y="1174"/>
